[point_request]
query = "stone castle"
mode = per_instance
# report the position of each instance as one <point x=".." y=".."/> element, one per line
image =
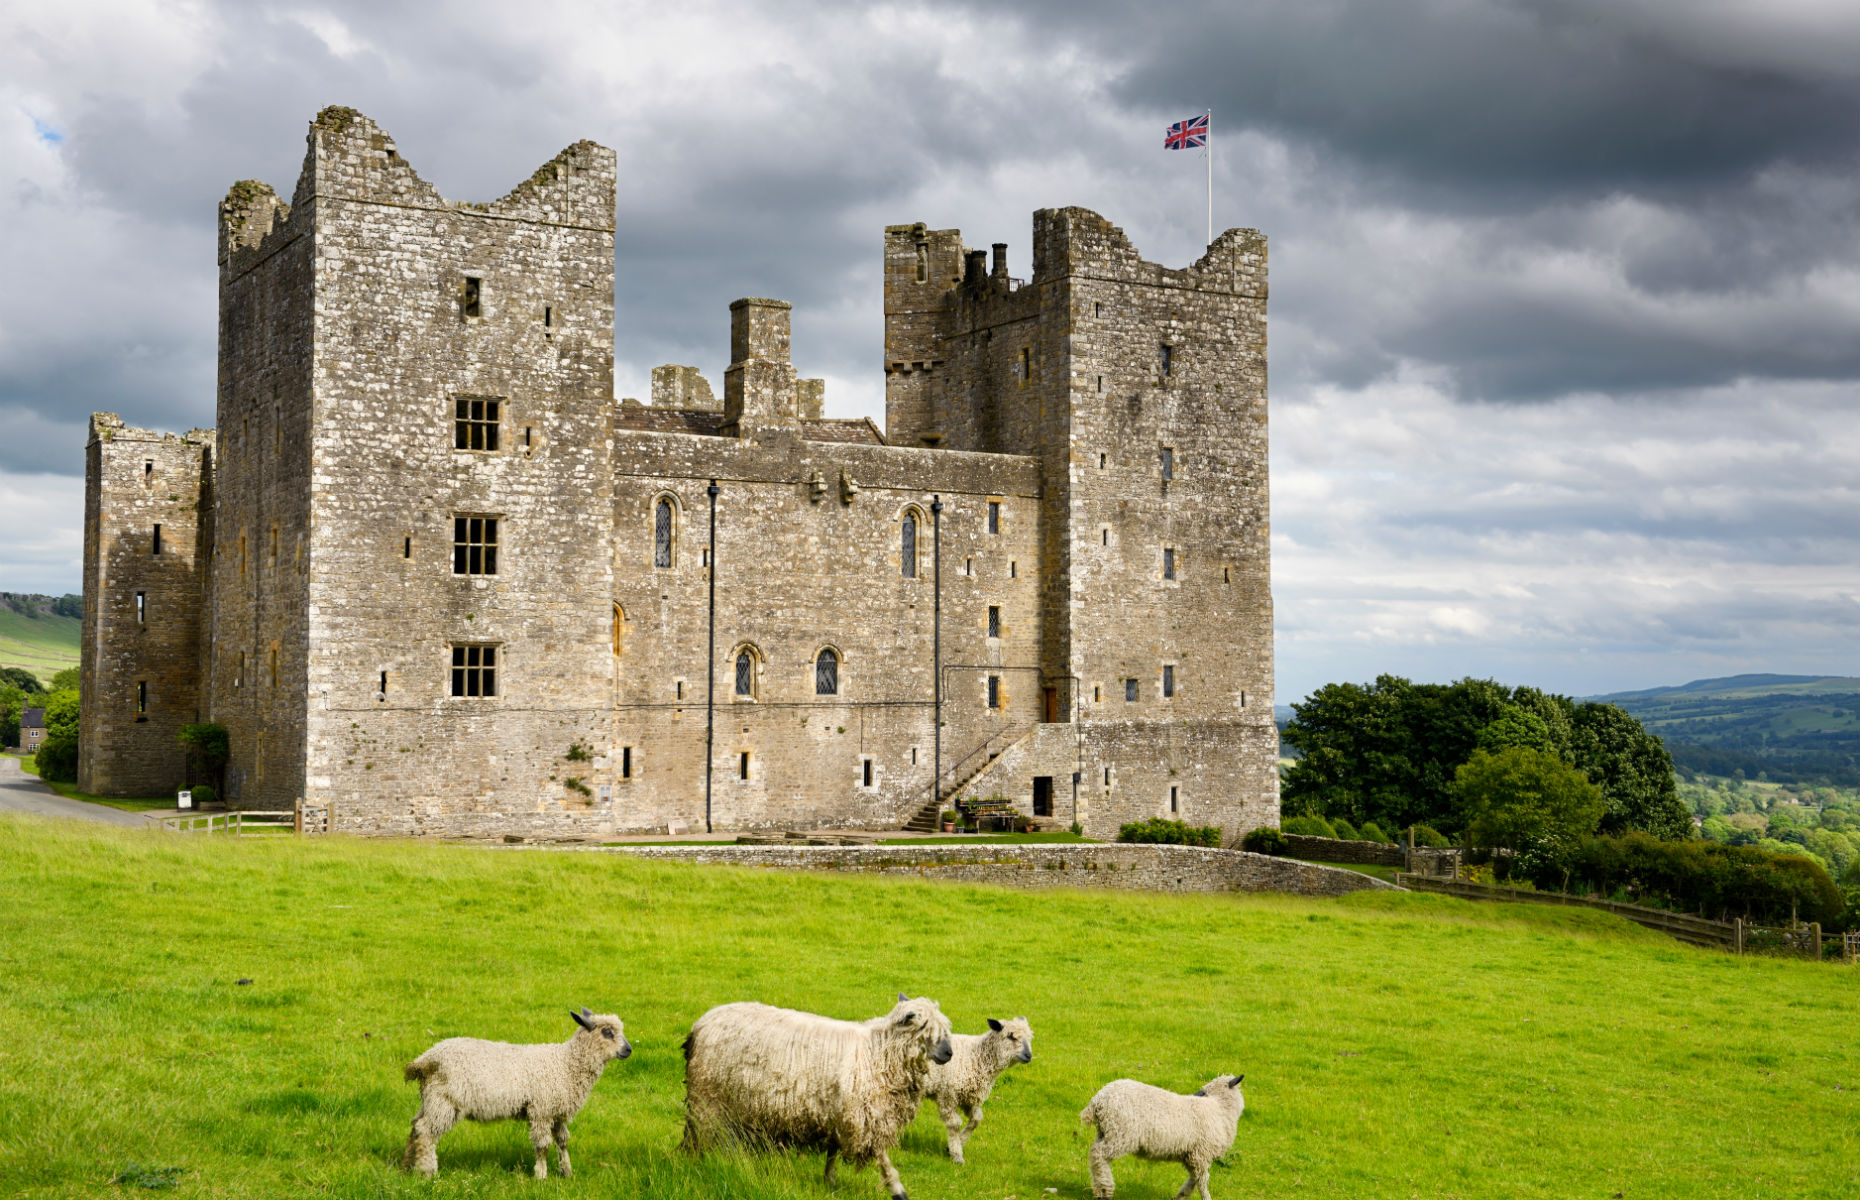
<point x="433" y="578"/>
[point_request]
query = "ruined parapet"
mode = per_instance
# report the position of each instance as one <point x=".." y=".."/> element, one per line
<point x="810" y="396"/>
<point x="759" y="387"/>
<point x="922" y="267"/>
<point x="675" y="386"/>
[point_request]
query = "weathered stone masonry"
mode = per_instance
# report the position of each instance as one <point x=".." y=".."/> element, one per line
<point x="1087" y="450"/>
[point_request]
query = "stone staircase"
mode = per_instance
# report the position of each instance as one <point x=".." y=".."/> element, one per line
<point x="927" y="818"/>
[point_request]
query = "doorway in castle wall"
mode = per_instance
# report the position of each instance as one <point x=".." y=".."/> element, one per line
<point x="1042" y="795"/>
<point x="1051" y="697"/>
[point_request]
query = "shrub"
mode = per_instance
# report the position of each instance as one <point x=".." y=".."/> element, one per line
<point x="1698" y="876"/>
<point x="1427" y="835"/>
<point x="1264" y="840"/>
<point x="1308" y="826"/>
<point x="949" y="815"/>
<point x="1161" y="831"/>
<point x="1343" y="829"/>
<point x="202" y="794"/>
<point x="1372" y="832"/>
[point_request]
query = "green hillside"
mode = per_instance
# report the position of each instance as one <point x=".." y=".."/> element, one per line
<point x="1394" y="1044"/>
<point x="1785" y="728"/>
<point x="44" y="644"/>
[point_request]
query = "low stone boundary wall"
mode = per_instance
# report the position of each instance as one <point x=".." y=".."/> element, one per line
<point x="1104" y="865"/>
<point x="1381" y="854"/>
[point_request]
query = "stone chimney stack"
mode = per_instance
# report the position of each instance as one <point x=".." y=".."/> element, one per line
<point x="759" y="386"/>
<point x="1000" y="271"/>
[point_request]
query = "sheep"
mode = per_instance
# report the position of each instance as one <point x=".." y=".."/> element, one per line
<point x="776" y="1077"/>
<point x="495" y="1081"/>
<point x="962" y="1084"/>
<point x="1135" y="1118"/>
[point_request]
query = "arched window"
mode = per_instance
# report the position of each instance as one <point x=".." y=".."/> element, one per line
<point x="662" y="533"/>
<point x="827" y="674"/>
<point x="746" y="673"/>
<point x="907" y="546"/>
<point x="619" y="629"/>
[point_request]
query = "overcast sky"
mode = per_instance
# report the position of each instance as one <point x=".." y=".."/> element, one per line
<point x="1565" y="325"/>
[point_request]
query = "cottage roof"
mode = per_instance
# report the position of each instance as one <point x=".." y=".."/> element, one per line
<point x="32" y="718"/>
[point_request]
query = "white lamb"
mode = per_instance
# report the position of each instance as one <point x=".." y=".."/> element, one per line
<point x="496" y="1081"/>
<point x="1135" y="1118"/>
<point x="960" y="1085"/>
<point x="776" y="1077"/>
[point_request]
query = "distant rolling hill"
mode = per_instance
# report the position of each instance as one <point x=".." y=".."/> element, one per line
<point x="1787" y="728"/>
<point x="45" y="644"/>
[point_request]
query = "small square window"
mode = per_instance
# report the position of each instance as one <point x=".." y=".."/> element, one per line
<point x="474" y="545"/>
<point x="1130" y="690"/>
<point x="1168" y="681"/>
<point x="474" y="670"/>
<point x="474" y="425"/>
<point x="994" y="620"/>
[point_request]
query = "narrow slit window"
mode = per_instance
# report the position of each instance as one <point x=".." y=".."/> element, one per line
<point x="1107" y="777"/>
<point x="1174" y="799"/>
<point x="1168" y="463"/>
<point x="241" y="551"/>
<point x="1097" y="693"/>
<point x="272" y="555"/>
<point x="1097" y="308"/>
<point x="474" y="670"/>
<point x="1168" y="562"/>
<point x="472" y="304"/>
<point x="406" y="548"/>
<point x="907" y="546"/>
<point x="548" y="317"/>
<point x="994" y="691"/>
<point x="1168" y="358"/>
<point x="662" y="534"/>
<point x="474" y="545"/>
<point x="271" y="667"/>
<point x="1224" y="578"/>
<point x="1101" y="388"/>
<point x="1013" y="569"/>
<point x="626" y="762"/>
<point x="155" y="541"/>
<point x="382" y="690"/>
<point x="1168" y="682"/>
<point x="827" y="674"/>
<point x="1025" y="366"/>
<point x="994" y="620"/>
<point x="866" y="772"/>
<point x="474" y="425"/>
<point x="994" y="516"/>
<point x="142" y="697"/>
<point x="923" y="262"/>
<point x="968" y="566"/>
<point x="1130" y="690"/>
<point x="239" y="671"/>
<point x="1103" y="461"/>
<point x="742" y="765"/>
<point x="681" y="689"/>
<point x="142" y="608"/>
<point x="913" y="756"/>
<point x="1104" y="535"/>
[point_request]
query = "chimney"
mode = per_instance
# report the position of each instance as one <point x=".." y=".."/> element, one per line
<point x="759" y="386"/>
<point x="975" y="268"/>
<point x="1000" y="271"/>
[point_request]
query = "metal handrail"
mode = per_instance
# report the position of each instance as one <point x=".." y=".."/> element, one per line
<point x="935" y="788"/>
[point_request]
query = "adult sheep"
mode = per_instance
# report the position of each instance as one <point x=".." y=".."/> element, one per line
<point x="544" y="1084"/>
<point x="1135" y="1118"/>
<point x="962" y="1084"/>
<point x="776" y="1077"/>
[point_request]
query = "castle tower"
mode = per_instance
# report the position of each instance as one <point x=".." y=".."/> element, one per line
<point x="147" y="538"/>
<point x="1142" y="391"/>
<point x="415" y="401"/>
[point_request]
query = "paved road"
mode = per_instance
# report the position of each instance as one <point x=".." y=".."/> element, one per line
<point x="20" y="792"/>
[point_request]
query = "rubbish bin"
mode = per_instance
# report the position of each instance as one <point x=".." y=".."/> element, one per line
<point x="184" y="798"/>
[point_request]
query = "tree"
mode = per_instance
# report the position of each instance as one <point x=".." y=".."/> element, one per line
<point x="1633" y="770"/>
<point x="212" y="746"/>
<point x="12" y="706"/>
<point x="66" y="680"/>
<point x="58" y="755"/>
<point x="1523" y="802"/>
<point x="22" y="679"/>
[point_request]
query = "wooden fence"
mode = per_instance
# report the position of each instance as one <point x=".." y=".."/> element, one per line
<point x="1736" y="935"/>
<point x="237" y="822"/>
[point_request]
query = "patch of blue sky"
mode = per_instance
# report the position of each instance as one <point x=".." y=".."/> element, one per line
<point x="45" y="133"/>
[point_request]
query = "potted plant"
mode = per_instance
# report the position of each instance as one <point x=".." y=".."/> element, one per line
<point x="949" y="820"/>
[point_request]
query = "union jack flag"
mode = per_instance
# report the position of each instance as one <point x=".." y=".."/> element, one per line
<point x="1184" y="135"/>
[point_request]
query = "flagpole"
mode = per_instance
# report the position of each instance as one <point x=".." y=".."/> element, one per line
<point x="1210" y="176"/>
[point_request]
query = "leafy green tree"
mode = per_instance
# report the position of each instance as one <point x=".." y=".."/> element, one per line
<point x="22" y="679"/>
<point x="1518" y="726"/>
<point x="58" y="756"/>
<point x="1520" y="802"/>
<point x="1632" y="768"/>
<point x="12" y="705"/>
<point x="208" y="744"/>
<point x="66" y="680"/>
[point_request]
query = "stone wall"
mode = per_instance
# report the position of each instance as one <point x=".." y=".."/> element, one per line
<point x="1107" y="865"/>
<point x="1338" y="850"/>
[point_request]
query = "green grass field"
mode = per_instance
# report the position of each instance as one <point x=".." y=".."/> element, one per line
<point x="1394" y="1045"/>
<point x="44" y="645"/>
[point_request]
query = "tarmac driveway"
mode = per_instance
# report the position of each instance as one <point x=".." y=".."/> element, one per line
<point x="20" y="792"/>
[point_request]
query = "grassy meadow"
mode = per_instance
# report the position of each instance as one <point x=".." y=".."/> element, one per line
<point x="1394" y="1045"/>
<point x="44" y="645"/>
